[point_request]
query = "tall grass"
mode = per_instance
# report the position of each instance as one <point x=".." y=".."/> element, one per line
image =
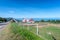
<point x="43" y="31"/>
<point x="23" y="34"/>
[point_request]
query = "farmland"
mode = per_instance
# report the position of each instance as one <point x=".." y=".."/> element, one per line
<point x="44" y="29"/>
<point x="15" y="31"/>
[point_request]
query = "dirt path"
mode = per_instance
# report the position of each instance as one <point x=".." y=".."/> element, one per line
<point x="2" y="26"/>
<point x="3" y="30"/>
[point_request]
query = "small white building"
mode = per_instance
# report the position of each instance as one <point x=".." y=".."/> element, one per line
<point x="24" y="20"/>
<point x="28" y="20"/>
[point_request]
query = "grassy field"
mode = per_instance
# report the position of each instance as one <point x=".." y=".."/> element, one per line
<point x="22" y="33"/>
<point x="18" y="32"/>
<point x="54" y="30"/>
<point x="43" y="31"/>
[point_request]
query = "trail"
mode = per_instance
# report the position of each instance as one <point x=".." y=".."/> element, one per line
<point x="2" y="28"/>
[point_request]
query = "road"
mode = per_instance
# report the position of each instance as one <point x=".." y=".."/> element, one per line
<point x="2" y="25"/>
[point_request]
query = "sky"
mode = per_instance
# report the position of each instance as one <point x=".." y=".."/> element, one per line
<point x="30" y="8"/>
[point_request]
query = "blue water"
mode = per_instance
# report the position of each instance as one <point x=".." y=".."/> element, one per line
<point x="38" y="19"/>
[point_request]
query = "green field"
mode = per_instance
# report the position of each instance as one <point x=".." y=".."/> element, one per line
<point x="54" y="30"/>
<point x="43" y="31"/>
<point x="22" y="33"/>
<point x="15" y="31"/>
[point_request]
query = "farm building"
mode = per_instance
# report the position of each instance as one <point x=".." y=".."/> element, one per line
<point x="31" y="20"/>
<point x="28" y="20"/>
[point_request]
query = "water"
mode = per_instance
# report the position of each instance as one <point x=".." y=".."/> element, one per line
<point x="38" y="19"/>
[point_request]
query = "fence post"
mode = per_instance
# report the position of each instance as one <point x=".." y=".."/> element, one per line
<point x="37" y="29"/>
<point x="28" y="26"/>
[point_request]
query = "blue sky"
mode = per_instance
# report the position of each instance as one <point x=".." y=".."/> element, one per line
<point x="30" y="8"/>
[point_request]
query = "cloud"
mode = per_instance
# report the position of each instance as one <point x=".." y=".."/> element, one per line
<point x="11" y="11"/>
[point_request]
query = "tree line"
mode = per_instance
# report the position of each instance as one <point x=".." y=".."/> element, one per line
<point x="51" y="21"/>
<point x="42" y="20"/>
<point x="3" y="19"/>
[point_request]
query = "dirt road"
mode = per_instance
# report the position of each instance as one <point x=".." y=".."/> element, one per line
<point x="2" y="27"/>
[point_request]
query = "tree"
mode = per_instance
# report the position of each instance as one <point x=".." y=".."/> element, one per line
<point x="3" y="19"/>
<point x="42" y="20"/>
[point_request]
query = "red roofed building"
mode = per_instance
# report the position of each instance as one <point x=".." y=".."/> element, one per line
<point x="28" y="21"/>
<point x="31" y="20"/>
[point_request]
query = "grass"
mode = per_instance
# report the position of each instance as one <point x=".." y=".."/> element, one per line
<point x="19" y="32"/>
<point x="23" y="34"/>
<point x="54" y="30"/>
<point x="44" y="32"/>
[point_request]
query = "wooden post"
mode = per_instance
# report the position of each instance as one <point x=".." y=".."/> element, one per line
<point x="28" y="26"/>
<point x="37" y="29"/>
